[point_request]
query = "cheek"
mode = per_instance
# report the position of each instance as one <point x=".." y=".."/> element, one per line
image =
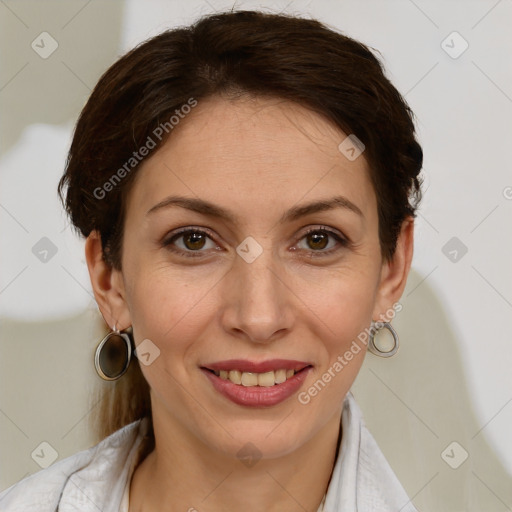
<point x="343" y="303"/>
<point x="340" y="316"/>
<point x="172" y="308"/>
<point x="167" y="311"/>
<point x="160" y="294"/>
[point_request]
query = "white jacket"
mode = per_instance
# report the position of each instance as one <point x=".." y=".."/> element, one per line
<point x="98" y="479"/>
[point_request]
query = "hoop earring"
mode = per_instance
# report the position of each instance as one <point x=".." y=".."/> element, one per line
<point x="371" y="341"/>
<point x="113" y="355"/>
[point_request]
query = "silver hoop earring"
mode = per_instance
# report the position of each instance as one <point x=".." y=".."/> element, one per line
<point x="371" y="342"/>
<point x="113" y="355"/>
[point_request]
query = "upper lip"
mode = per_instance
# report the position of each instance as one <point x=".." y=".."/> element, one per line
<point x="244" y="365"/>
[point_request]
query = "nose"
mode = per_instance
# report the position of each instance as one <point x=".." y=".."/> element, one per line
<point x="257" y="301"/>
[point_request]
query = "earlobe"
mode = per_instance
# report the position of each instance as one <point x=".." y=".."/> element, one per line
<point x="107" y="284"/>
<point x="394" y="273"/>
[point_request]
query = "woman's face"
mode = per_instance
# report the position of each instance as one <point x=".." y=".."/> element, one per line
<point x="250" y="285"/>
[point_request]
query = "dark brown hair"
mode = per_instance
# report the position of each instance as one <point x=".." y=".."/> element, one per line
<point x="231" y="54"/>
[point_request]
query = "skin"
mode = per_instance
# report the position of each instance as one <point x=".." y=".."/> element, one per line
<point x="257" y="158"/>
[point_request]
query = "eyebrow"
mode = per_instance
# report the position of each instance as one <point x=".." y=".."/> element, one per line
<point x="213" y="210"/>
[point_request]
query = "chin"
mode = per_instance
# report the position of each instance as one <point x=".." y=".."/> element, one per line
<point x="261" y="438"/>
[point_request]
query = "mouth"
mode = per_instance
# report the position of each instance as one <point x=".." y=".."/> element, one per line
<point x="248" y="379"/>
<point x="248" y="373"/>
<point x="257" y="384"/>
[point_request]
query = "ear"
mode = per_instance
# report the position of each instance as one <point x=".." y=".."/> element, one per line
<point x="394" y="273"/>
<point x="107" y="284"/>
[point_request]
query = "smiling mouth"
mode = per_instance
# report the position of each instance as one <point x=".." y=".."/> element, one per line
<point x="250" y="379"/>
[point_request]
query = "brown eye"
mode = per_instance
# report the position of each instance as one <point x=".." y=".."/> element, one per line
<point x="194" y="241"/>
<point x="317" y="240"/>
<point x="189" y="242"/>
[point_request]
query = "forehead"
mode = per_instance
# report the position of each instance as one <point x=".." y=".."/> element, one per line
<point x="253" y="152"/>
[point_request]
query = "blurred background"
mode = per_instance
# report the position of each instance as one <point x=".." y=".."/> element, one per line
<point x="441" y="409"/>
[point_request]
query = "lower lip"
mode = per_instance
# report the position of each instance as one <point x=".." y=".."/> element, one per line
<point x="258" y="396"/>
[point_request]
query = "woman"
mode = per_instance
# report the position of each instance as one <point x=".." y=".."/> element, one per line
<point x="247" y="188"/>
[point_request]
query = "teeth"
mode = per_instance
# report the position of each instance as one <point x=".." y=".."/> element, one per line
<point x="280" y="376"/>
<point x="249" y="379"/>
<point x="266" y="379"/>
<point x="235" y="376"/>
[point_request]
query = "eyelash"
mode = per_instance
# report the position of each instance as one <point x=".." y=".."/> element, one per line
<point x="194" y="254"/>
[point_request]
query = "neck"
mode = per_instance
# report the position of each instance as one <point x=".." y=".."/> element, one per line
<point x="182" y="473"/>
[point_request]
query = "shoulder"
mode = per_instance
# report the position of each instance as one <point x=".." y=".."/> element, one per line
<point x="44" y="490"/>
<point x="377" y="486"/>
